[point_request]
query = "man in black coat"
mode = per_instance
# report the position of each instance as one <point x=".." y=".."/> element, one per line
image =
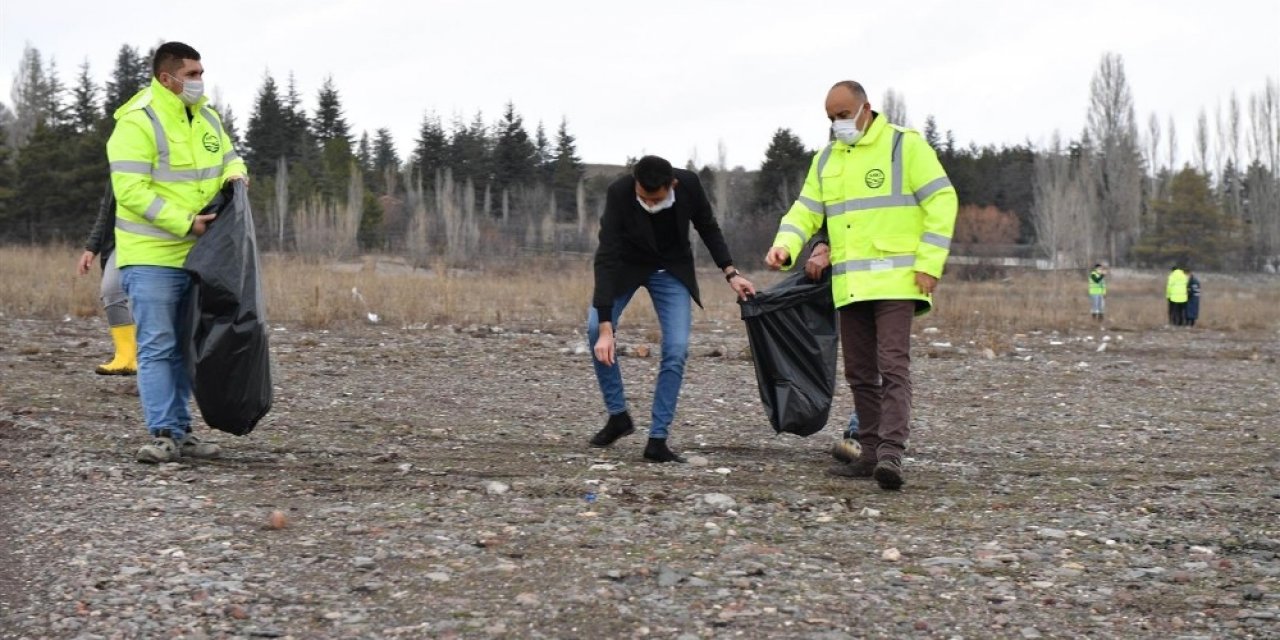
<point x="644" y="242"/>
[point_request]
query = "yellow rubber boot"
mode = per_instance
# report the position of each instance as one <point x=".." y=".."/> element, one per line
<point x="126" y="361"/>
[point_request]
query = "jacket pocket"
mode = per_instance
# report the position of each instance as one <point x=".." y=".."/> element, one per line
<point x="831" y="181"/>
<point x="896" y="245"/>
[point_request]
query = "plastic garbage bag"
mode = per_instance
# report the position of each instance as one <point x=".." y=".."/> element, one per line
<point x="226" y="345"/>
<point x="794" y="333"/>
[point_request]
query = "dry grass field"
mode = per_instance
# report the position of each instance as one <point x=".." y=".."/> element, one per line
<point x="40" y="283"/>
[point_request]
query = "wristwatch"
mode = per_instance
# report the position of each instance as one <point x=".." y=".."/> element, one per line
<point x="728" y="277"/>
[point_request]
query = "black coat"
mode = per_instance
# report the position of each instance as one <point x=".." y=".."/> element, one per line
<point x="629" y="253"/>
<point x="102" y="237"/>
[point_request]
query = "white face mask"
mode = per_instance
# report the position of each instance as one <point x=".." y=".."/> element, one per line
<point x="192" y="90"/>
<point x="667" y="203"/>
<point x="847" y="131"/>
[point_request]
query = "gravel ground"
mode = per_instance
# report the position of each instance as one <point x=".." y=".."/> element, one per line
<point x="436" y="484"/>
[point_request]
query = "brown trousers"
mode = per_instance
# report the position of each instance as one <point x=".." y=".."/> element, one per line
<point x="877" y="365"/>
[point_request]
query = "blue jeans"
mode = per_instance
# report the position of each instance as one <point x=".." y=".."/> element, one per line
<point x="1097" y="303"/>
<point x="158" y="298"/>
<point x="851" y="432"/>
<point x="674" y="306"/>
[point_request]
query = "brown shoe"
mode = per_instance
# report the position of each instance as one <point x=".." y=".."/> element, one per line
<point x="888" y="473"/>
<point x="859" y="468"/>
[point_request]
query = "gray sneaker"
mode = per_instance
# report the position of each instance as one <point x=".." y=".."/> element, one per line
<point x="160" y="449"/>
<point x="193" y="447"/>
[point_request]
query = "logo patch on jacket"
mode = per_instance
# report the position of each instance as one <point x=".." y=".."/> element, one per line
<point x="211" y="144"/>
<point x="875" y="178"/>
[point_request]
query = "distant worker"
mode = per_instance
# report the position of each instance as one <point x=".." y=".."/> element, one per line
<point x="1098" y="291"/>
<point x="102" y="245"/>
<point x="1176" y="294"/>
<point x="1193" y="299"/>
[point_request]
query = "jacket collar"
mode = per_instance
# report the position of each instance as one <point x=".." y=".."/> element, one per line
<point x="874" y="130"/>
<point x="166" y="103"/>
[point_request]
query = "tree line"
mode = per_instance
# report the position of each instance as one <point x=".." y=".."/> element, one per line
<point x="1113" y="193"/>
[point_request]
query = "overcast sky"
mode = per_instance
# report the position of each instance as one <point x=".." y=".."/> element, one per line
<point x="676" y="78"/>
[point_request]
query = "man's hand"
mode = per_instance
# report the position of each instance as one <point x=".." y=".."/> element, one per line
<point x="926" y="283"/>
<point x="819" y="260"/>
<point x="86" y="259"/>
<point x="742" y="287"/>
<point x="201" y="223"/>
<point x="244" y="179"/>
<point x="777" y="257"/>
<point x="604" y="349"/>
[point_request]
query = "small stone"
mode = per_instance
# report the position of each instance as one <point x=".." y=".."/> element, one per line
<point x="891" y="555"/>
<point x="438" y="576"/>
<point x="236" y="611"/>
<point x="1049" y="532"/>
<point x="719" y="501"/>
<point x="495" y="488"/>
<point x="667" y="577"/>
<point x="1030" y="632"/>
<point x="277" y="520"/>
<point x="699" y="461"/>
<point x="528" y="600"/>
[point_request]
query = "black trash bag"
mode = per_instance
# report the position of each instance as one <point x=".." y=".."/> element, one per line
<point x="793" y="333"/>
<point x="226" y="343"/>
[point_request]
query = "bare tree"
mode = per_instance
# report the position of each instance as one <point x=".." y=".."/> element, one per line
<point x="1263" y="206"/>
<point x="1064" y="205"/>
<point x="894" y="107"/>
<point x="1201" y="142"/>
<point x="1173" y="147"/>
<point x="1117" y="164"/>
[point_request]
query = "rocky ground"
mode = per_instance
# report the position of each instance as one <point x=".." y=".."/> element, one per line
<point x="435" y="484"/>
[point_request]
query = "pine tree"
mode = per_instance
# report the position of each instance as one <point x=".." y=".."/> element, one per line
<point x="266" y="138"/>
<point x="8" y="180"/>
<point x="469" y="151"/>
<point x="85" y="114"/>
<point x="37" y="97"/>
<point x="384" y="152"/>
<point x="542" y="155"/>
<point x="514" y="155"/>
<point x="786" y="162"/>
<point x="431" y="152"/>
<point x="131" y="74"/>
<point x="1190" y="226"/>
<point x="330" y="123"/>
<point x="568" y="169"/>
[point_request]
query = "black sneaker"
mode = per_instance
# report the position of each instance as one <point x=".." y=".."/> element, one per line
<point x="888" y="474"/>
<point x="619" y="425"/>
<point x="657" y="451"/>
<point x="859" y="468"/>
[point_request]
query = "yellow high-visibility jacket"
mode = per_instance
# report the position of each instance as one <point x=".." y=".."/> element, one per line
<point x="1175" y="289"/>
<point x="167" y="162"/>
<point x="890" y="212"/>
<point x="1097" y="283"/>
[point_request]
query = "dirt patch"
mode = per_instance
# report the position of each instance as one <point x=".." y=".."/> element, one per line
<point x="436" y="483"/>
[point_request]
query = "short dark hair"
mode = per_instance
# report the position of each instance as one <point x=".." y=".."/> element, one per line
<point x="653" y="173"/>
<point x="169" y="57"/>
<point x="1097" y="264"/>
<point x="855" y="87"/>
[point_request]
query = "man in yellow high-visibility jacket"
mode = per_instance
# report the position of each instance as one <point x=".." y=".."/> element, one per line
<point x="169" y="156"/>
<point x="1175" y="291"/>
<point x="890" y="211"/>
